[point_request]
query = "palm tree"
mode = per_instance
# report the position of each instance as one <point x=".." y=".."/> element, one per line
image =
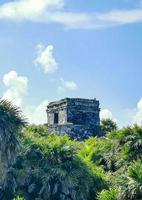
<point x="11" y="122"/>
<point x="130" y="183"/>
<point x="11" y="118"/>
<point x="53" y="170"/>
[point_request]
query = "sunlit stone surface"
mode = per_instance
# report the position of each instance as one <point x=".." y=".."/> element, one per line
<point x="79" y="118"/>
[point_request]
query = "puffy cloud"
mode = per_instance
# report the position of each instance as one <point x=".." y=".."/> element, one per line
<point x="37" y="114"/>
<point x="106" y="114"/>
<point x="138" y="114"/>
<point x="45" y="59"/>
<point x="67" y="85"/>
<point x="48" y="11"/>
<point x="28" y="9"/>
<point x="139" y="105"/>
<point x="17" y="87"/>
<point x="70" y="85"/>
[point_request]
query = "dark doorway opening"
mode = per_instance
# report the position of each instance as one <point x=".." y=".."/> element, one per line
<point x="56" y="118"/>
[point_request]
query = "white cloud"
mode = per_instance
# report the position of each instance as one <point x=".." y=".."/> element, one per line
<point x="66" y="85"/>
<point x="97" y="20"/>
<point x="28" y="9"/>
<point x="45" y="59"/>
<point x="138" y="114"/>
<point x="48" y="11"/>
<point x="17" y="87"/>
<point x="139" y="105"/>
<point x="106" y="114"/>
<point x="37" y="114"/>
<point x="70" y="85"/>
<point x="122" y="16"/>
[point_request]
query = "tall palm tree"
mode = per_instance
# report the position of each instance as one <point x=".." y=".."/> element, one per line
<point x="11" y="122"/>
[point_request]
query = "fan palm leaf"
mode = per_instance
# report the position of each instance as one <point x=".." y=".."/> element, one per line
<point x="11" y="122"/>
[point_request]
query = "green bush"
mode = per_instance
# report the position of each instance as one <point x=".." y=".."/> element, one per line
<point x="130" y="183"/>
<point x="51" y="167"/>
<point x="111" y="194"/>
<point x="39" y="165"/>
<point x="18" y="198"/>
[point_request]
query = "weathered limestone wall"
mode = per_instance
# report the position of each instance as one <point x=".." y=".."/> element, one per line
<point x="60" y="108"/>
<point x="75" y="117"/>
<point x="78" y="132"/>
<point x="76" y="111"/>
<point x="89" y="118"/>
<point x="62" y="116"/>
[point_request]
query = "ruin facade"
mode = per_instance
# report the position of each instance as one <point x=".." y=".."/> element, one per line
<point x="79" y="118"/>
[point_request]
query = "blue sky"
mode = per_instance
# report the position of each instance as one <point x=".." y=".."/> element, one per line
<point x="51" y="49"/>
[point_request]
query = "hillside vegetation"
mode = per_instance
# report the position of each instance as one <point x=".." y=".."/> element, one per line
<point x="39" y="165"/>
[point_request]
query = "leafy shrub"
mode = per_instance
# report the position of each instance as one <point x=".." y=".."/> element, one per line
<point x="50" y="167"/>
<point x="111" y="194"/>
<point x="18" y="198"/>
<point x="39" y="165"/>
<point x="107" y="125"/>
<point x="130" y="183"/>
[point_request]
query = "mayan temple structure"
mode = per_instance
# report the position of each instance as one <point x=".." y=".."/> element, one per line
<point x="79" y="118"/>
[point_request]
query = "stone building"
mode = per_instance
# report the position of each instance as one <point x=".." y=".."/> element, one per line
<point x="79" y="118"/>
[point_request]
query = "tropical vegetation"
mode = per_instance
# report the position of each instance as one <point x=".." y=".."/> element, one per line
<point x="36" y="164"/>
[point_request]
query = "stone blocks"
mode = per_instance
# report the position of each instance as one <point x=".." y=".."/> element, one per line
<point x="79" y="118"/>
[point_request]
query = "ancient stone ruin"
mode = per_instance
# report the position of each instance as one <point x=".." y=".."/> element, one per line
<point x="79" y="118"/>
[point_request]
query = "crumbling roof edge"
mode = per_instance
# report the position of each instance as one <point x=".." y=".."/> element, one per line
<point x="65" y="100"/>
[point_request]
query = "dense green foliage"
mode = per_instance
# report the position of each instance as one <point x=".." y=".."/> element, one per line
<point x="107" y="125"/>
<point x="18" y="198"/>
<point x="11" y="123"/>
<point x="111" y="194"/>
<point x="51" y="167"/>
